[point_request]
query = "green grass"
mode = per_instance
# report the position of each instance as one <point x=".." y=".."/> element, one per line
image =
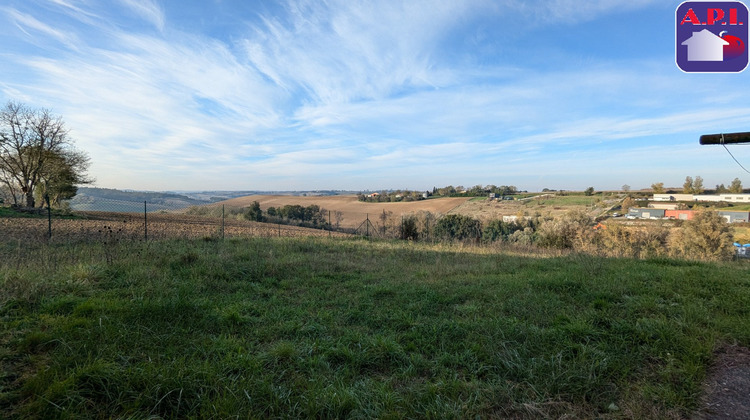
<point x="568" y="200"/>
<point x="736" y="207"/>
<point x="9" y="212"/>
<point x="279" y="328"/>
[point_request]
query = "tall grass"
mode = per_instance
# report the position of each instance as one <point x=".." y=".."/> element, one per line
<point x="295" y="327"/>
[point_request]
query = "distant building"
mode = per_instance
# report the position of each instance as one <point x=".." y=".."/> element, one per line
<point x="673" y="197"/>
<point x="735" y="216"/>
<point x="679" y="214"/>
<point x="729" y="198"/>
<point x="644" y="213"/>
<point x="665" y="206"/>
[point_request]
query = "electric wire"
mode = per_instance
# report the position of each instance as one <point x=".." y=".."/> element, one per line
<point x="730" y="154"/>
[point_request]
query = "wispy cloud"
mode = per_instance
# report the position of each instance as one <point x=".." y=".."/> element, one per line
<point x="148" y="10"/>
<point x="37" y="30"/>
<point x="341" y="94"/>
<point x="348" y="51"/>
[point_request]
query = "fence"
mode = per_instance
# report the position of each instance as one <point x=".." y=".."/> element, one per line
<point x="144" y="221"/>
<point x="115" y="220"/>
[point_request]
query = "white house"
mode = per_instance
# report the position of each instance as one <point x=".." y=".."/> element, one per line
<point x="729" y="198"/>
<point x="705" y="46"/>
<point x="673" y="197"/>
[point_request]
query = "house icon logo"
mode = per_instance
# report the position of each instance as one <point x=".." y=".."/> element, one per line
<point x="711" y="36"/>
<point x="705" y="46"/>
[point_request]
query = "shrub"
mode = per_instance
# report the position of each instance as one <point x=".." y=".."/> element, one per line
<point x="458" y="227"/>
<point x="640" y="242"/>
<point x="408" y="228"/>
<point x="706" y="237"/>
<point x="573" y="230"/>
<point x="523" y="237"/>
<point x="498" y="230"/>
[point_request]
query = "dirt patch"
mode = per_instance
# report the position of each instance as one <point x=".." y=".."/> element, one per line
<point x="727" y="386"/>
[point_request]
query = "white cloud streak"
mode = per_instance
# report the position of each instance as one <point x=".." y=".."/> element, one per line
<point x="148" y="10"/>
<point x="348" y="91"/>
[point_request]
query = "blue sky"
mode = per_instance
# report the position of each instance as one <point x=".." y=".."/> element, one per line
<point x="303" y="95"/>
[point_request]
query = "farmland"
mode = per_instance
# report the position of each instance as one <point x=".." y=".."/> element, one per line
<point x="354" y="212"/>
<point x="102" y="226"/>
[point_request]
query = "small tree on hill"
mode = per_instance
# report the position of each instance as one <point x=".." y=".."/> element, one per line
<point x="736" y="186"/>
<point x="658" y="187"/>
<point x="687" y="187"/>
<point x="589" y="191"/>
<point x="698" y="185"/>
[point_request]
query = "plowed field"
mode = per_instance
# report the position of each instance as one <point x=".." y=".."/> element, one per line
<point x="354" y="212"/>
<point x="115" y="226"/>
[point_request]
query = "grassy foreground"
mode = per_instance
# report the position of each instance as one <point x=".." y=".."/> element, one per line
<point x="289" y="327"/>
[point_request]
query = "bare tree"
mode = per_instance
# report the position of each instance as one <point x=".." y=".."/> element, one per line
<point x="338" y="217"/>
<point x="35" y="150"/>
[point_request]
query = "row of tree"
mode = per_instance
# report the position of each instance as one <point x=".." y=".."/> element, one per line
<point x="449" y="191"/>
<point x="695" y="186"/>
<point x="37" y="157"/>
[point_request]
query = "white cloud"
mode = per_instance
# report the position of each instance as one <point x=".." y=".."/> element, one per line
<point x="339" y="51"/>
<point x="148" y="10"/>
<point x="28" y="24"/>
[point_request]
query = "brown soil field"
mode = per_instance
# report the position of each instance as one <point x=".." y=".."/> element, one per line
<point x="124" y="226"/>
<point x="354" y="212"/>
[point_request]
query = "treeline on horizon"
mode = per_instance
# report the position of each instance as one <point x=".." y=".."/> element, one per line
<point x="312" y="216"/>
<point x="449" y="191"/>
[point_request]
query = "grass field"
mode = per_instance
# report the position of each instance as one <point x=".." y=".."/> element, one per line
<point x="333" y="328"/>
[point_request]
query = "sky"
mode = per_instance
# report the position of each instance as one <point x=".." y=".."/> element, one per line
<point x="369" y="95"/>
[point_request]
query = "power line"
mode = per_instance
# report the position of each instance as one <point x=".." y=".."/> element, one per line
<point x="735" y="159"/>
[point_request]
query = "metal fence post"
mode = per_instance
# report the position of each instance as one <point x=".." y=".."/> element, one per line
<point x="49" y="216"/>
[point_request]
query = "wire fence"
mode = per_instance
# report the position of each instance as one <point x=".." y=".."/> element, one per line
<point x="109" y="220"/>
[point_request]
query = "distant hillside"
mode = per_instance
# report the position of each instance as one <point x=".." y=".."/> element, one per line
<point x="105" y="199"/>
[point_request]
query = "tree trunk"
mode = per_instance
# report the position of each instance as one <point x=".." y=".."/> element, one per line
<point x="30" y="198"/>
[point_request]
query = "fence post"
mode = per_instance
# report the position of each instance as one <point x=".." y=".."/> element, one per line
<point x="367" y="226"/>
<point x="329" y="224"/>
<point x="145" y="221"/>
<point x="222" y="222"/>
<point x="49" y="216"/>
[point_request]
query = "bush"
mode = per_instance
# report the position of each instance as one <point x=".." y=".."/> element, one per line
<point x="706" y="237"/>
<point x="573" y="230"/>
<point x="640" y="242"/>
<point x="458" y="227"/>
<point x="408" y="229"/>
<point x="498" y="230"/>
